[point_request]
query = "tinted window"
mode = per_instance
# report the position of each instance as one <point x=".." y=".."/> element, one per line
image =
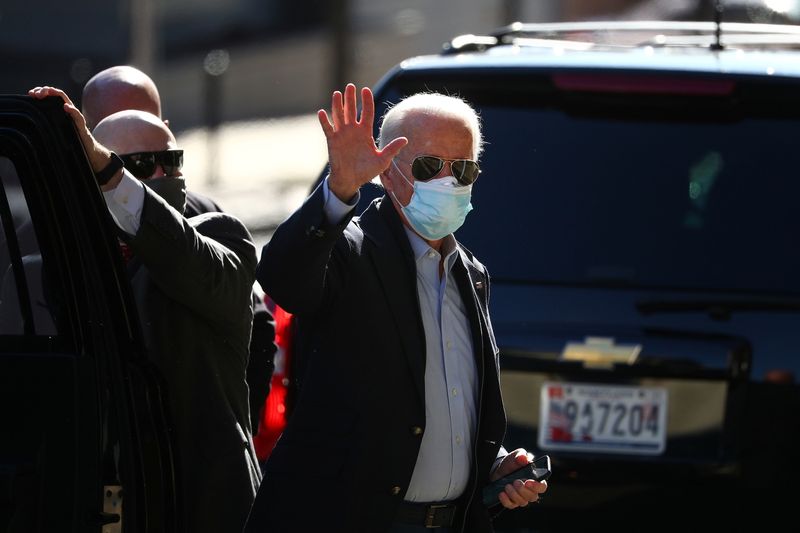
<point x="24" y="294"/>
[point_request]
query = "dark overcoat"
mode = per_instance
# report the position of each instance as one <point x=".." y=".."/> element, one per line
<point x="192" y="280"/>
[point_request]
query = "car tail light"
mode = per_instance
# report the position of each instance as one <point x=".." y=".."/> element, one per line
<point x="274" y="413"/>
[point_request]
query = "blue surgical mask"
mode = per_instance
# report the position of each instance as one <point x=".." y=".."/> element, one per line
<point x="438" y="207"/>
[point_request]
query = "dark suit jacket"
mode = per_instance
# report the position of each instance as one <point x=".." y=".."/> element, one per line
<point x="346" y="458"/>
<point x="262" y="340"/>
<point x="192" y="280"/>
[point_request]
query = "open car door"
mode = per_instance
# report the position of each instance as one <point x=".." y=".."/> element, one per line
<point x="83" y="423"/>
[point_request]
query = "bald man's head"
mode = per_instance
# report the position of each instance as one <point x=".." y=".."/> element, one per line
<point x="130" y="131"/>
<point x="116" y="89"/>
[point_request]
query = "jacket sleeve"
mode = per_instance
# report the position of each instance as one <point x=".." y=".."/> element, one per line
<point x="206" y="262"/>
<point x="298" y="264"/>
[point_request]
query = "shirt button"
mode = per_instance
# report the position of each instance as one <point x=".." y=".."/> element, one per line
<point x="395" y="490"/>
<point x="458" y="439"/>
<point x="431" y="254"/>
<point x="416" y="430"/>
<point x="449" y="345"/>
<point x="454" y="391"/>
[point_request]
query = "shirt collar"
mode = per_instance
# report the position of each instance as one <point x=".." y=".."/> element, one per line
<point x="420" y="247"/>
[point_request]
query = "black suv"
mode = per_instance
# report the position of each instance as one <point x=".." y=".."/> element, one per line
<point x="638" y="213"/>
<point x="83" y="421"/>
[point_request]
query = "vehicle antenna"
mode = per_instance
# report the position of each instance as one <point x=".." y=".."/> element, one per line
<point x="718" y="30"/>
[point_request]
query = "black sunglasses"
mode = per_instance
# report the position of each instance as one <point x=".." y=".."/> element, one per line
<point x="143" y="164"/>
<point x="426" y="167"/>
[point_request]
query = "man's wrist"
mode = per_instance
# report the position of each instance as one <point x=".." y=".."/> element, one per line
<point x="111" y="169"/>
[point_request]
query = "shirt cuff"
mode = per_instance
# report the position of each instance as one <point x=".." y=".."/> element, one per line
<point x="125" y="203"/>
<point x="501" y="454"/>
<point x="335" y="209"/>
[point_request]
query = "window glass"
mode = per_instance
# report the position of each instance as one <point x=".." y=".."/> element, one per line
<point x="645" y="203"/>
<point x="25" y="295"/>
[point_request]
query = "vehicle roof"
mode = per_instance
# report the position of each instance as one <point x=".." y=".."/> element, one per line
<point x="747" y="49"/>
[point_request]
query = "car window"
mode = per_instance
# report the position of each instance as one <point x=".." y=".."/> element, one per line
<point x="25" y="297"/>
<point x="646" y="203"/>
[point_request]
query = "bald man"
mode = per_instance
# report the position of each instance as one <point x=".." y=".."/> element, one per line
<point x="192" y="280"/>
<point x="125" y="87"/>
<point x="117" y="88"/>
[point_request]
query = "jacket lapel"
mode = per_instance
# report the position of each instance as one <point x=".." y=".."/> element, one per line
<point x="467" y="282"/>
<point x="394" y="265"/>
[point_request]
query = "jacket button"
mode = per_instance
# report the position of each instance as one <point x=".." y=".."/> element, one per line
<point x="395" y="491"/>
<point x="315" y="232"/>
<point x="416" y="431"/>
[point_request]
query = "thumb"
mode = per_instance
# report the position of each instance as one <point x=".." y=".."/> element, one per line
<point x="392" y="149"/>
<point x="521" y="457"/>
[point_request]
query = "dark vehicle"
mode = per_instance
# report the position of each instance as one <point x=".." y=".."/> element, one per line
<point x="637" y="213"/>
<point x="84" y="431"/>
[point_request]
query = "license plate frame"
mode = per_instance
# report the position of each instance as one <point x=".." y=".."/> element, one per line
<point x="593" y="417"/>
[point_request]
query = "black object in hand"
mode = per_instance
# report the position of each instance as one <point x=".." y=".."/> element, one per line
<point x="538" y="470"/>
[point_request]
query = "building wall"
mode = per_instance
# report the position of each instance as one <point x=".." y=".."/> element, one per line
<point x="295" y="74"/>
<point x="282" y="59"/>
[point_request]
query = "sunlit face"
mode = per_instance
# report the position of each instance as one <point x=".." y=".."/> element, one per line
<point x="442" y="136"/>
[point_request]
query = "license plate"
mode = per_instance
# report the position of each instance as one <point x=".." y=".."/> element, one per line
<point x="603" y="418"/>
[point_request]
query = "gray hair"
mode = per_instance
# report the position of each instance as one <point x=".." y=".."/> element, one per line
<point x="392" y="125"/>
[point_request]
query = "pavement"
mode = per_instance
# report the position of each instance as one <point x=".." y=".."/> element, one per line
<point x="260" y="170"/>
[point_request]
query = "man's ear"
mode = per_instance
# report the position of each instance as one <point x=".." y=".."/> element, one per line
<point x="386" y="181"/>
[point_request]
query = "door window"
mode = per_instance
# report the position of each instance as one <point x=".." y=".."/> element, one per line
<point x="26" y="297"/>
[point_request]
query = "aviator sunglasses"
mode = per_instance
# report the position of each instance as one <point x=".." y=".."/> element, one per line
<point x="143" y="164"/>
<point x="426" y="167"/>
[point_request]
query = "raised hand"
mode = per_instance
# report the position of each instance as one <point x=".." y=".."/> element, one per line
<point x="99" y="156"/>
<point x="354" y="159"/>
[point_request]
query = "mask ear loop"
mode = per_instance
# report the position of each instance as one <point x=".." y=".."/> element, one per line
<point x="394" y="196"/>
<point x="401" y="173"/>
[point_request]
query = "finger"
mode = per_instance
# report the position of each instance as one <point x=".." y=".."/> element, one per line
<point x="393" y="148"/>
<point x="337" y="110"/>
<point x="367" y="107"/>
<point x="520" y="456"/>
<point x="52" y="91"/>
<point x="38" y="92"/>
<point x="45" y="91"/>
<point x="518" y="494"/>
<point x="324" y="121"/>
<point x="76" y="115"/>
<point x="350" y="106"/>
<point x="506" y="501"/>
<point x="528" y="490"/>
<point x="63" y="95"/>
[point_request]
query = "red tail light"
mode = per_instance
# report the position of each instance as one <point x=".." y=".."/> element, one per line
<point x="274" y="413"/>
